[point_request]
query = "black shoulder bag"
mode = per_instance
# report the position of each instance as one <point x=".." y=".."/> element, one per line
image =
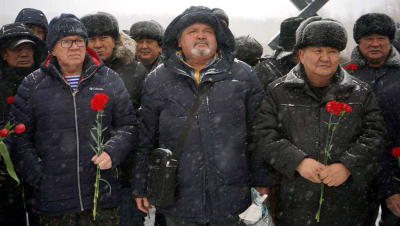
<point x="163" y="163"/>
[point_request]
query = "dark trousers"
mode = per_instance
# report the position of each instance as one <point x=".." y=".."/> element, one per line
<point x="104" y="217"/>
<point x="160" y="219"/>
<point x="130" y="215"/>
<point x="388" y="218"/>
<point x="14" y="219"/>
<point x="171" y="221"/>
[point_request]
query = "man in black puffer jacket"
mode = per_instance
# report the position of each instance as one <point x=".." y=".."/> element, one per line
<point x="21" y="54"/>
<point x="214" y="174"/>
<point x="54" y="154"/>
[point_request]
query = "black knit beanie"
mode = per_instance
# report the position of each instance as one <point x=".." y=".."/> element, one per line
<point x="63" y="26"/>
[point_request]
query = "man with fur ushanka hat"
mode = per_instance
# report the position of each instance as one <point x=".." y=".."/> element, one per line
<point x="148" y="36"/>
<point x="377" y="63"/>
<point x="290" y="133"/>
<point x="117" y="51"/>
<point x="54" y="154"/>
<point x="216" y="168"/>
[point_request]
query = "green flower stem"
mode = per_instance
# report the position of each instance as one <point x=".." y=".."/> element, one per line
<point x="7" y="160"/>
<point x="98" y="176"/>
<point x="327" y="151"/>
<point x="96" y="191"/>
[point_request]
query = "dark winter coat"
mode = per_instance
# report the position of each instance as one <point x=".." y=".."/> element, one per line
<point x="291" y="126"/>
<point x="132" y="74"/>
<point x="10" y="78"/>
<point x="54" y="154"/>
<point x="274" y="66"/>
<point x="154" y="65"/>
<point x="213" y="176"/>
<point x="382" y="80"/>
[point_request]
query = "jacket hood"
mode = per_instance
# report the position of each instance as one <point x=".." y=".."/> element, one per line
<point x="34" y="17"/>
<point x="125" y="48"/>
<point x="91" y="64"/>
<point x="192" y="15"/>
<point x="393" y="60"/>
<point x="18" y="30"/>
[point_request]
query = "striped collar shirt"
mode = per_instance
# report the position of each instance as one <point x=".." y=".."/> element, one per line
<point x="73" y="80"/>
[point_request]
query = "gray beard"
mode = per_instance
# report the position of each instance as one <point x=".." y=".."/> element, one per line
<point x="197" y="52"/>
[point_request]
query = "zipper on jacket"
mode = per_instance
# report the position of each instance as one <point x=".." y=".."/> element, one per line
<point x="77" y="150"/>
<point x="77" y="141"/>
<point x="77" y="133"/>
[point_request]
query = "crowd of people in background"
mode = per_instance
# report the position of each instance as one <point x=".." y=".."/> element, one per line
<point x="262" y="124"/>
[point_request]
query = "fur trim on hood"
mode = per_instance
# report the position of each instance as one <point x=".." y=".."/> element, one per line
<point x="393" y="60"/>
<point x="125" y="48"/>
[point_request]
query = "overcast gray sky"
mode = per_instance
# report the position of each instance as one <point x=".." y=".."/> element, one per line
<point x="255" y="9"/>
<point x="259" y="18"/>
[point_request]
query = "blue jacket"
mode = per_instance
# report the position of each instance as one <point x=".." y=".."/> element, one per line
<point x="54" y="153"/>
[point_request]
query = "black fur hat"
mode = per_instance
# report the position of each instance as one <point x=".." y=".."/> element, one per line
<point x="248" y="50"/>
<point x="287" y="38"/>
<point x="147" y="30"/>
<point x="100" y="24"/>
<point x="220" y="14"/>
<point x="374" y="23"/>
<point x="316" y="31"/>
<point x="192" y="15"/>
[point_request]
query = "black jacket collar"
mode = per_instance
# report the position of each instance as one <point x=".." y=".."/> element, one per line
<point x="342" y="85"/>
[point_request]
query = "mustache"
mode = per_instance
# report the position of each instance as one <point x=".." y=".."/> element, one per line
<point x="202" y="42"/>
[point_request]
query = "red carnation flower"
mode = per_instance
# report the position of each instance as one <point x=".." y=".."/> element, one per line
<point x="348" y="109"/>
<point x="334" y="107"/>
<point x="350" y="67"/>
<point x="99" y="101"/>
<point x="396" y="152"/>
<point x="19" y="128"/>
<point x="3" y="132"/>
<point x="10" y="100"/>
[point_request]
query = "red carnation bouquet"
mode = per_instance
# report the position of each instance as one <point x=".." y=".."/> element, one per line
<point x="7" y="130"/>
<point x="337" y="110"/>
<point x="350" y="68"/>
<point x="98" y="102"/>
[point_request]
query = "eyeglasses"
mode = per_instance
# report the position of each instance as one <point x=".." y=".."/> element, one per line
<point x="68" y="43"/>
